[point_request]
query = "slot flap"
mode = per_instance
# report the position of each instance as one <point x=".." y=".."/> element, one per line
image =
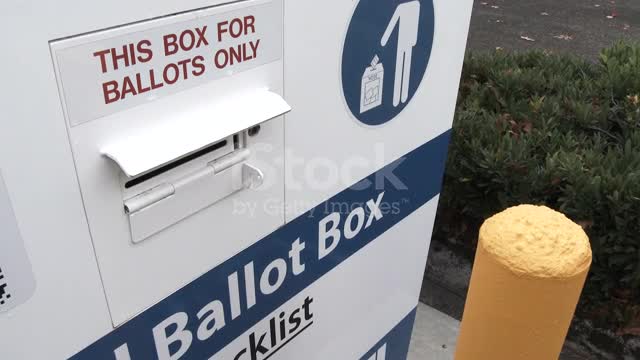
<point x="178" y="134"/>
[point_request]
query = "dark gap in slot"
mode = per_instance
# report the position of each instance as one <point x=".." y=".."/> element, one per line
<point x="175" y="164"/>
<point x="236" y="142"/>
<point x="254" y="130"/>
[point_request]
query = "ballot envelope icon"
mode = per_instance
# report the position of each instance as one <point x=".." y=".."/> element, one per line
<point x="385" y="56"/>
<point x="372" y="85"/>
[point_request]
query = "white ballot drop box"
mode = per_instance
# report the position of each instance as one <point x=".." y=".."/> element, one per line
<point x="212" y="179"/>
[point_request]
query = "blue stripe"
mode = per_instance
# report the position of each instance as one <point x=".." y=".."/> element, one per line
<point x="420" y="170"/>
<point x="396" y="342"/>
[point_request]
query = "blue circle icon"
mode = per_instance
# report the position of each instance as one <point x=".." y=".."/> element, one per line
<point x="385" y="56"/>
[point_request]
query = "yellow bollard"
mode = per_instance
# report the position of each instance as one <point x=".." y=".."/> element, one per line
<point x="528" y="274"/>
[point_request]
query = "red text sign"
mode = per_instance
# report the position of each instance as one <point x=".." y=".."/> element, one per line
<point x="102" y="74"/>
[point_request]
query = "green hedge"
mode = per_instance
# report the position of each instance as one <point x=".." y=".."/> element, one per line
<point x="557" y="130"/>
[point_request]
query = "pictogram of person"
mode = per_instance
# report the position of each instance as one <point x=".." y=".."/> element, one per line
<point x="407" y="19"/>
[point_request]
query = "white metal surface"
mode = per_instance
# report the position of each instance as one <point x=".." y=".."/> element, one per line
<point x="17" y="283"/>
<point x="68" y="198"/>
<point x="128" y="286"/>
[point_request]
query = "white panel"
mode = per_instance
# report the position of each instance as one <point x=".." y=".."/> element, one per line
<point x="39" y="173"/>
<point x="68" y="310"/>
<point x="130" y="271"/>
<point x="17" y="283"/>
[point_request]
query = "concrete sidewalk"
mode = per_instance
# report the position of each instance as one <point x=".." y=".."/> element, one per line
<point x="434" y="335"/>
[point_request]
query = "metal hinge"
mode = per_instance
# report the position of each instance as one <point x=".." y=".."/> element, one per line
<point x="251" y="178"/>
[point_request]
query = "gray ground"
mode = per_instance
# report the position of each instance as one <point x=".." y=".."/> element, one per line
<point x="434" y="335"/>
<point x="579" y="27"/>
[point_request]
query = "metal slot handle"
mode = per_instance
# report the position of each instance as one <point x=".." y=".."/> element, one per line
<point x="166" y="204"/>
